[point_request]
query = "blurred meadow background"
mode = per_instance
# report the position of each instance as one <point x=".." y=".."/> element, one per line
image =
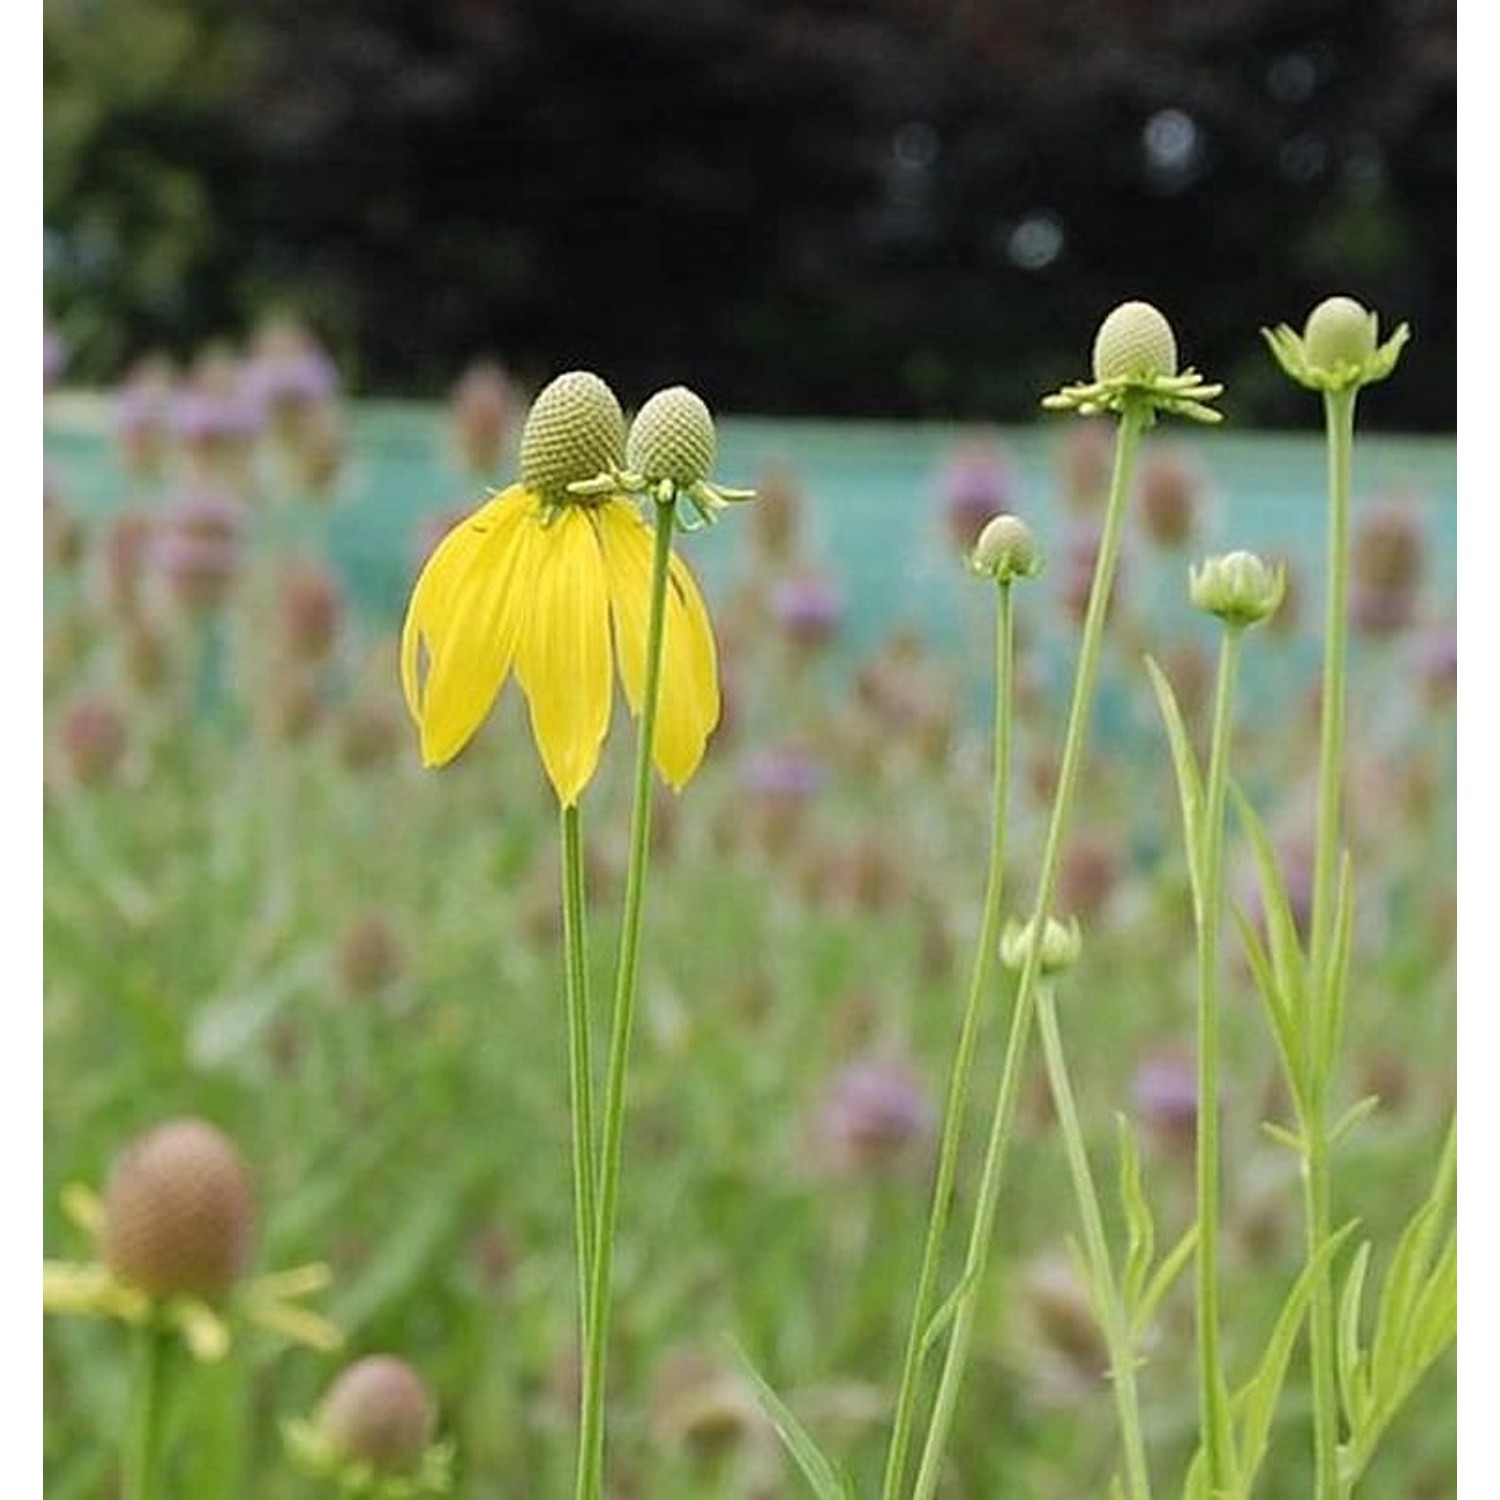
<point x="304" y="266"/>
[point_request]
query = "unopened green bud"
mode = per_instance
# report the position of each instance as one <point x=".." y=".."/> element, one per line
<point x="1238" y="587"/>
<point x="1061" y="944"/>
<point x="672" y="438"/>
<point x="1006" y="550"/>
<point x="1134" y="342"/>
<point x="1339" y="332"/>
<point x="575" y="431"/>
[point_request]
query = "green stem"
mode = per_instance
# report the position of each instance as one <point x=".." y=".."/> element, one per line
<point x="143" y="1451"/>
<point x="963" y="1059"/>
<point x="1132" y="424"/>
<point x="591" y="1449"/>
<point x="580" y="1064"/>
<point x="1213" y="1397"/>
<point x="1116" y="1330"/>
<point x="1339" y="413"/>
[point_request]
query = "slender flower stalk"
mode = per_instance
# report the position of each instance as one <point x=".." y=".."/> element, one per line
<point x="1213" y="1396"/>
<point x="1337" y="353"/>
<point x="1132" y="424"/>
<point x="591" y="1443"/>
<point x="580" y="1063"/>
<point x="1015" y="563"/>
<point x="142" y="1478"/>
<point x="1135" y="377"/>
<point x="1117" y="1334"/>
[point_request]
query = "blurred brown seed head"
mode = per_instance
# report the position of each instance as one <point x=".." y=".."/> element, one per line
<point x="63" y="538"/>
<point x="95" y="736"/>
<point x="1058" y="1309"/>
<point x="370" y="734"/>
<point x="197" y="548"/>
<point x="1089" y="874"/>
<point x="1169" y="496"/>
<point x="178" y="1212"/>
<point x="310" y="611"/>
<point x="482" y="410"/>
<point x="776" y="516"/>
<point x="698" y="1404"/>
<point x="378" y="1412"/>
<point x="370" y="954"/>
<point x="1085" y="459"/>
<point x="127" y="547"/>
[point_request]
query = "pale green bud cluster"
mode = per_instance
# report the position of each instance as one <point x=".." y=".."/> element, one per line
<point x="574" y="431"/>
<point x="1135" y="342"/>
<point x="672" y="438"/>
<point x="1238" y="587"/>
<point x="1006" y="550"/>
<point x="1339" y="348"/>
<point x="1061" y="944"/>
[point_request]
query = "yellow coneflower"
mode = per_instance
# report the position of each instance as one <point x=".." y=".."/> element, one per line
<point x="557" y="587"/>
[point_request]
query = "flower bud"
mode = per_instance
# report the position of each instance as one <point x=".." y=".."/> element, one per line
<point x="378" y="1412"/>
<point x="1339" y="332"/>
<point x="178" y="1213"/>
<point x="673" y="438"/>
<point x="1134" y="342"/>
<point x="574" y="431"/>
<point x="1006" y="550"/>
<point x="1061" y="944"/>
<point x="1237" y="587"/>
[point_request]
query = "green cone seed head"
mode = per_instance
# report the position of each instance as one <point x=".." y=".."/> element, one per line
<point x="673" y="438"/>
<point x="574" y="431"/>
<point x="1006" y="550"/>
<point x="1339" y="332"/>
<point x="1238" y="587"/>
<point x="1061" y="944"/>
<point x="1134" y="341"/>
<point x="178" y="1213"/>
<point x="378" y="1413"/>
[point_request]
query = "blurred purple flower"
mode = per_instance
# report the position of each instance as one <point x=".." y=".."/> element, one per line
<point x="1437" y="666"/>
<point x="977" y="484"/>
<point x="783" y="773"/>
<point x="54" y="358"/>
<point x="1165" y="1092"/>
<point x="873" y="1115"/>
<point x="808" y="608"/>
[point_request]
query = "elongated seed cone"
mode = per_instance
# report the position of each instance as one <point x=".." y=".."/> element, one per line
<point x="673" y="438"/>
<point x="378" y="1412"/>
<point x="1135" y="340"/>
<point x="574" y="431"/>
<point x="178" y="1212"/>
<point x="1338" y="332"/>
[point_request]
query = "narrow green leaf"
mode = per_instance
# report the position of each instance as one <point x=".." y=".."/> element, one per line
<point x="1254" y="1405"/>
<point x="1189" y="779"/>
<point x="827" y="1481"/>
<point x="1284" y="1028"/>
<point x="1286" y="946"/>
<point x="1333" y="984"/>
<point x="1284" y="1137"/>
<point x="1351" y="1117"/>
<point x="1140" y="1226"/>
<point x="1352" y="1379"/>
<point x="939" y="1321"/>
<point x="1167" y="1272"/>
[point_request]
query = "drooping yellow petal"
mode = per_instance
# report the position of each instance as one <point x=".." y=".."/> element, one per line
<point x="689" y="707"/>
<point x="467" y="611"/>
<point x="628" y="545"/>
<point x="563" y="657"/>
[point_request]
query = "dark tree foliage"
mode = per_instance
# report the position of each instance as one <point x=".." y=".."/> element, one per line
<point x="892" y="208"/>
